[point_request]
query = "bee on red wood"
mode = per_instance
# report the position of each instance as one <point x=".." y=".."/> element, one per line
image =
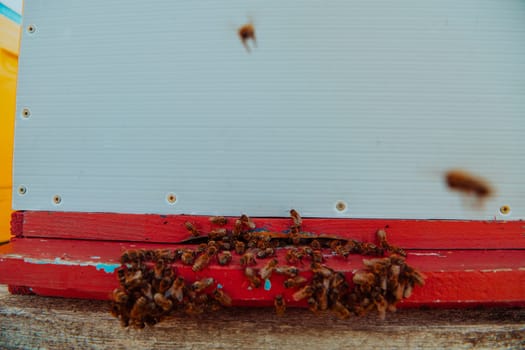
<point x="199" y="286"/>
<point x="305" y="292"/>
<point x="315" y="244"/>
<point x="280" y="305"/>
<point x="224" y="258"/>
<point x="201" y="262"/>
<point x="341" y="311"/>
<point x="265" y="253"/>
<point x="255" y="281"/>
<point x="295" y="282"/>
<point x="120" y="296"/>
<point x="290" y="271"/>
<point x="247" y="259"/>
<point x="162" y="301"/>
<point x="188" y="257"/>
<point x="191" y="229"/>
<point x="217" y="234"/>
<point x="240" y="247"/>
<point x="266" y="271"/>
<point x="223" y="298"/>
<point x="247" y="222"/>
<point x="176" y="290"/>
<point x="218" y="220"/>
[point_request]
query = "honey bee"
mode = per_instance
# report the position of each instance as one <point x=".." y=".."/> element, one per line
<point x="240" y="247"/>
<point x="121" y="275"/>
<point x="120" y="296"/>
<point x="246" y="221"/>
<point x="201" y="262"/>
<point x="342" y="251"/>
<point x="363" y="278"/>
<point x="290" y="271"/>
<point x="312" y="305"/>
<point x="224" y="258"/>
<point x="255" y="281"/>
<point x="177" y="289"/>
<point x="322" y="295"/>
<point x="280" y="305"/>
<point x="317" y="256"/>
<point x="383" y="243"/>
<point x="247" y="259"/>
<point x="322" y="270"/>
<point x="165" y="284"/>
<point x="212" y="249"/>
<point x="371" y="249"/>
<point x="193" y="309"/>
<point x="167" y="255"/>
<point x="381" y="306"/>
<point x="188" y="257"/>
<point x="247" y="33"/>
<point x="341" y="311"/>
<point x="266" y="271"/>
<point x="305" y="292"/>
<point x="218" y="220"/>
<point x="468" y="184"/>
<point x="162" y="301"/>
<point x="294" y="256"/>
<point x="218" y="234"/>
<point x="237" y="228"/>
<point x="158" y="269"/>
<point x="223" y="298"/>
<point x="297" y="221"/>
<point x="315" y="244"/>
<point x="199" y="286"/>
<point x="295" y="282"/>
<point x="138" y="308"/>
<point x="265" y="253"/>
<point x="191" y="229"/>
<point x="134" y="280"/>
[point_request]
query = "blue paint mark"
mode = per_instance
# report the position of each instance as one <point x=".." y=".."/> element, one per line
<point x="108" y="268"/>
<point x="267" y="284"/>
<point x="9" y="13"/>
<point x="219" y="286"/>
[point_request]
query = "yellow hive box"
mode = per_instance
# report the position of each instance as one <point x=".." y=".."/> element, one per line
<point x="9" y="45"/>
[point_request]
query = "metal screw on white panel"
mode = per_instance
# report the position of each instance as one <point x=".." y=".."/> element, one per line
<point x="504" y="210"/>
<point x="22" y="190"/>
<point x="31" y="28"/>
<point x="57" y="199"/>
<point x="171" y="198"/>
<point x="340" y="206"/>
<point x="26" y="113"/>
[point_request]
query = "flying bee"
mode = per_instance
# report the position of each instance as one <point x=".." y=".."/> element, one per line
<point x="223" y="298"/>
<point x="240" y="247"/>
<point x="247" y="259"/>
<point x="188" y="257"/>
<point x="224" y="258"/>
<point x="295" y="282"/>
<point x="341" y="311"/>
<point x="162" y="301"/>
<point x="305" y="292"/>
<point x="266" y="271"/>
<point x="290" y="271"/>
<point x="255" y="281"/>
<point x="120" y="296"/>
<point x="280" y="305"/>
<point x="218" y="220"/>
<point x="468" y="184"/>
<point x="177" y="289"/>
<point x="246" y="34"/>
<point x="199" y="286"/>
<point x="191" y="229"/>
<point x="201" y="262"/>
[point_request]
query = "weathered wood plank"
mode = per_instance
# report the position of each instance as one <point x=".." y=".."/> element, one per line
<point x="40" y="322"/>
<point x="409" y="234"/>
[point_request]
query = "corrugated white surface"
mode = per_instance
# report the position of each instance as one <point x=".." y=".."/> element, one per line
<point x="367" y="102"/>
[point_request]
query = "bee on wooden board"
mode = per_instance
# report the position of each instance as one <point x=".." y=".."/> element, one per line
<point x="223" y="298"/>
<point x="280" y="305"/>
<point x="250" y="273"/>
<point x="191" y="229"/>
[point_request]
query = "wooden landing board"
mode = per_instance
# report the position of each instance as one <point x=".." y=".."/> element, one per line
<point x="410" y="234"/>
<point x="86" y="269"/>
<point x="32" y="322"/>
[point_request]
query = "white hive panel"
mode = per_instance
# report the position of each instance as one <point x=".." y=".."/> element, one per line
<point x="366" y="102"/>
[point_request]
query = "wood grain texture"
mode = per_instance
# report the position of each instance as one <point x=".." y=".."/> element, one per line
<point x="417" y="234"/>
<point x="40" y="322"/>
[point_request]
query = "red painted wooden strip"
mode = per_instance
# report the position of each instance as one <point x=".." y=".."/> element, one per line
<point x="86" y="269"/>
<point x="418" y="234"/>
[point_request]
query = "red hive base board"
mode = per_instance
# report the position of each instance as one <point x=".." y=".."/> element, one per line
<point x="76" y="255"/>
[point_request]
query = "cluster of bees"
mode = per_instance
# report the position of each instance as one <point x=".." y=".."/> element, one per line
<point x="150" y="289"/>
